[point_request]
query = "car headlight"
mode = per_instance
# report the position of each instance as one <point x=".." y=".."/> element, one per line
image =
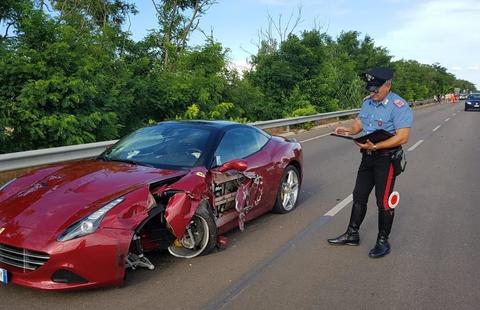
<point x="88" y="224"/>
<point x="468" y="102"/>
<point x="6" y="184"/>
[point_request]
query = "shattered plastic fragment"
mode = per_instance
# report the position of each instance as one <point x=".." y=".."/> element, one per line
<point x="183" y="204"/>
<point x="250" y="189"/>
<point x="240" y="199"/>
<point x="222" y="242"/>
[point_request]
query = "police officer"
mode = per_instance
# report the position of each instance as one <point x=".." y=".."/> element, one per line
<point x="382" y="109"/>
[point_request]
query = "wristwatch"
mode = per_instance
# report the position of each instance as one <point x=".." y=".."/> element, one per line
<point x="374" y="147"/>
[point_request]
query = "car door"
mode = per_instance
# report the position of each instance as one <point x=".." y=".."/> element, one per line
<point x="231" y="188"/>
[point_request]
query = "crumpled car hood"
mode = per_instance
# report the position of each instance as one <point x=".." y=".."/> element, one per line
<point x="55" y="197"/>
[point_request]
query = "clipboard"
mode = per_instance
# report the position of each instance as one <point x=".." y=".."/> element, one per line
<point x="375" y="137"/>
<point x="342" y="136"/>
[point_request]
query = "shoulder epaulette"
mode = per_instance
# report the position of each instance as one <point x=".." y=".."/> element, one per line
<point x="399" y="103"/>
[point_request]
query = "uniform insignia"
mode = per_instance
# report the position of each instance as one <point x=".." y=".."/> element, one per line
<point x="380" y="123"/>
<point x="399" y="103"/>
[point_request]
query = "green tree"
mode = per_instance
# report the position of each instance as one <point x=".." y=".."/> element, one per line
<point x="177" y="20"/>
<point x="60" y="86"/>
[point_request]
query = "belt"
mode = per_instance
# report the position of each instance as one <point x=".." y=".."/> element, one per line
<point x="383" y="152"/>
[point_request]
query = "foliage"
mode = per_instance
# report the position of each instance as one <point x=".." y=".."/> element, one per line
<point x="70" y="74"/>
<point x="416" y="81"/>
<point x="60" y="85"/>
<point x="177" y="20"/>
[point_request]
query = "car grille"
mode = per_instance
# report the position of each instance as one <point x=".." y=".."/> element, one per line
<point x="22" y="258"/>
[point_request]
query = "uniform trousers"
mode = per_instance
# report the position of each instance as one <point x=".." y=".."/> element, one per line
<point x="376" y="170"/>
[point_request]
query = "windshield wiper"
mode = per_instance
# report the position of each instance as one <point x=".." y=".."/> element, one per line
<point x="128" y="161"/>
<point x="103" y="157"/>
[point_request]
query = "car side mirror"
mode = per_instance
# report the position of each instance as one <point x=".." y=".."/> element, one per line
<point x="236" y="164"/>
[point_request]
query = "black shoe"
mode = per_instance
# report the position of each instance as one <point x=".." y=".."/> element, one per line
<point x="382" y="248"/>
<point x="351" y="237"/>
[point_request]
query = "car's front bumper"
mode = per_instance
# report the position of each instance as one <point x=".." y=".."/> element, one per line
<point x="90" y="261"/>
<point x="472" y="106"/>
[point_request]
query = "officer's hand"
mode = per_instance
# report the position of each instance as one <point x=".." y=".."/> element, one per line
<point x="366" y="146"/>
<point x="342" y="131"/>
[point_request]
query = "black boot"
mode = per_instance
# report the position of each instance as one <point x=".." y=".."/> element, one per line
<point x="351" y="236"/>
<point x="385" y="221"/>
<point x="382" y="247"/>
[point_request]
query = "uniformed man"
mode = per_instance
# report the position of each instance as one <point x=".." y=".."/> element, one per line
<point x="382" y="109"/>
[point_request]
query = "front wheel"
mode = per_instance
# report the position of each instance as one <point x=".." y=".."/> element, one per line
<point x="200" y="235"/>
<point x="287" y="195"/>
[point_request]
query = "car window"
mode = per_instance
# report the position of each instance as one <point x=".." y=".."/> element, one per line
<point x="474" y="97"/>
<point x="238" y="143"/>
<point x="165" y="145"/>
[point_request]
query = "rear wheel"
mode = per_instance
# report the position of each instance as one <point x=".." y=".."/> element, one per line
<point x="288" y="191"/>
<point x="200" y="235"/>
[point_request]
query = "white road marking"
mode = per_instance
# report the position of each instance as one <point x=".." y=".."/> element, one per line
<point x="314" y="138"/>
<point x="415" y="145"/>
<point x="447" y="119"/>
<point x="340" y="206"/>
<point x="436" y="128"/>
<point x="454" y="114"/>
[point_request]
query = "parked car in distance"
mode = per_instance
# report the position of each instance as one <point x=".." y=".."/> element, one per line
<point x="472" y="102"/>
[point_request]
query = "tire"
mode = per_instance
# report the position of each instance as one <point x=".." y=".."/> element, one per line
<point x="291" y="188"/>
<point x="202" y="226"/>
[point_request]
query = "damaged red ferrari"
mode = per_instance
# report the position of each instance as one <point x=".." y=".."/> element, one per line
<point x="177" y="185"/>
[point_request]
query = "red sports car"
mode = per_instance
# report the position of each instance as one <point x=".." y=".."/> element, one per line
<point x="174" y="185"/>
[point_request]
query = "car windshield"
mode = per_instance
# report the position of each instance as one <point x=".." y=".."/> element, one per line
<point x="474" y="97"/>
<point x="166" y="145"/>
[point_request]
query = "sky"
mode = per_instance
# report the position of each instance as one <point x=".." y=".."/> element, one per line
<point x="429" y="31"/>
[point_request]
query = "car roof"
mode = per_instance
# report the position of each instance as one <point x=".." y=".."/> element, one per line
<point x="219" y="125"/>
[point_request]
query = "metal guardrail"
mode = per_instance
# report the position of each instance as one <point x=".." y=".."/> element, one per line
<point x="19" y="160"/>
<point x="302" y="119"/>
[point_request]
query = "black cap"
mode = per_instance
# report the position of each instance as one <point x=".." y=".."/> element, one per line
<point x="376" y="77"/>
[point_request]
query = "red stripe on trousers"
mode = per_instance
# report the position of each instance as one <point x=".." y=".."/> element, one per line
<point x="387" y="187"/>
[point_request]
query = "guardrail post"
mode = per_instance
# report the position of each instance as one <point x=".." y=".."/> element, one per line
<point x="287" y="128"/>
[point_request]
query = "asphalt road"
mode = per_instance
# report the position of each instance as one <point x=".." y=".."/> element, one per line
<point x="284" y="261"/>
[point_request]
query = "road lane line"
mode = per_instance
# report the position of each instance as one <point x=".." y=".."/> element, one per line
<point x="415" y="145"/>
<point x="233" y="291"/>
<point x="447" y="119"/>
<point x="436" y="128"/>
<point x="340" y="206"/>
<point x="230" y="293"/>
<point x="314" y="138"/>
